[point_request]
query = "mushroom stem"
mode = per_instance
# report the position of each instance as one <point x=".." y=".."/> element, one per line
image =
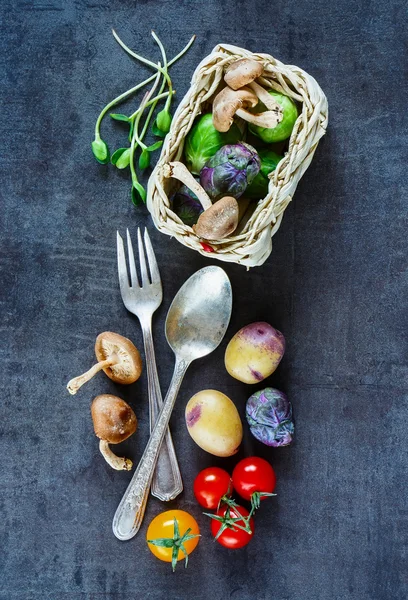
<point x="116" y="462"/>
<point x="264" y="97"/>
<point x="268" y="119"/>
<point x="179" y="171"/>
<point x="74" y="384"/>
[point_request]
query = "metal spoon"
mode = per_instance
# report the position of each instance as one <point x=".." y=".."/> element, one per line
<point x="196" y="323"/>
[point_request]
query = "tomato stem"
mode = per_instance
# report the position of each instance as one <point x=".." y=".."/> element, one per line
<point x="256" y="500"/>
<point x="176" y="543"/>
<point x="231" y="522"/>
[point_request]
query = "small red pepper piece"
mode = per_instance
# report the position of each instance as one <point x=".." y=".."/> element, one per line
<point x="207" y="248"/>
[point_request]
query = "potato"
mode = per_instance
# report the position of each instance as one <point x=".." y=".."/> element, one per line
<point x="214" y="423"/>
<point x="254" y="352"/>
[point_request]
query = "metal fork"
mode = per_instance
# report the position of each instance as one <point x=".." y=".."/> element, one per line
<point x="142" y="301"/>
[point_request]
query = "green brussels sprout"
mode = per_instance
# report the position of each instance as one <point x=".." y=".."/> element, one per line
<point x="283" y="130"/>
<point x="203" y="141"/>
<point x="259" y="187"/>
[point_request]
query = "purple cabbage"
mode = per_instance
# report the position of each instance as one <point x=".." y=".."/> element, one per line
<point x="230" y="171"/>
<point x="186" y="205"/>
<point x="269" y="414"/>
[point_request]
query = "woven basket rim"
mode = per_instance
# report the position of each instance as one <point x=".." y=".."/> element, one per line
<point x="253" y="244"/>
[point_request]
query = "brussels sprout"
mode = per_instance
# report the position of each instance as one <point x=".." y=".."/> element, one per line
<point x="204" y="140"/>
<point x="269" y="414"/>
<point x="186" y="205"/>
<point x="230" y="170"/>
<point x="259" y="187"/>
<point x="283" y="130"/>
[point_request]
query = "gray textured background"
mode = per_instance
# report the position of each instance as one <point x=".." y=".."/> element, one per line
<point x="335" y="285"/>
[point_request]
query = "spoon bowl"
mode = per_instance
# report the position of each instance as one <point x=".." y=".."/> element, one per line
<point x="199" y="314"/>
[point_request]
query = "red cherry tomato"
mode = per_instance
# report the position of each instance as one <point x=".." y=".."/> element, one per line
<point x="232" y="537"/>
<point x="211" y="485"/>
<point x="253" y="475"/>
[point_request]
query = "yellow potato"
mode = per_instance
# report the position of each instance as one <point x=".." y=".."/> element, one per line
<point x="214" y="423"/>
<point x="254" y="352"/>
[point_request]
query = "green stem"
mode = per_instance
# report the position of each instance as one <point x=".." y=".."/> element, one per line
<point x="136" y="88"/>
<point x="141" y="110"/>
<point x="145" y="61"/>
<point x="151" y="111"/>
<point x="117" y="100"/>
<point x="183" y="51"/>
<point x="133" y="146"/>
<point x="165" y="67"/>
<point x="152" y="101"/>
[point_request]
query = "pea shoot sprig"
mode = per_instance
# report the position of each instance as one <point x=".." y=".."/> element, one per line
<point x="126" y="156"/>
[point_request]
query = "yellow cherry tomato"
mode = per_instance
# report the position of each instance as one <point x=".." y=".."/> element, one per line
<point x="163" y="528"/>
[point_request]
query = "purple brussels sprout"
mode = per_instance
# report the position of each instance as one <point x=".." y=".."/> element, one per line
<point x="186" y="205"/>
<point x="230" y="171"/>
<point x="269" y="414"/>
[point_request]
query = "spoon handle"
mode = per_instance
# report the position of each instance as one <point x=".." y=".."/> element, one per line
<point x="129" y="514"/>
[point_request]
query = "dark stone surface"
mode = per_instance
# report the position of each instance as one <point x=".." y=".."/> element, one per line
<point x="335" y="285"/>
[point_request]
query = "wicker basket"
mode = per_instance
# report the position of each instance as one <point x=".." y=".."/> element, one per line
<point x="251" y="244"/>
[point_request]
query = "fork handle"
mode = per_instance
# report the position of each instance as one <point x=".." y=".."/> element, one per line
<point x="130" y="512"/>
<point x="167" y="483"/>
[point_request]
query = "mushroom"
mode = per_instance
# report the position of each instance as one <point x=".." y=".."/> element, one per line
<point x="227" y="103"/>
<point x="241" y="72"/>
<point x="117" y="356"/>
<point x="114" y="421"/>
<point x="219" y="219"/>
<point x="264" y="97"/>
<point x="179" y="171"/>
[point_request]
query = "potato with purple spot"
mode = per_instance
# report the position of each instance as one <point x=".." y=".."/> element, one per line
<point x="214" y="423"/>
<point x="254" y="352"/>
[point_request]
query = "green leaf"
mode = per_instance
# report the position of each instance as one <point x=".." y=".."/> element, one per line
<point x="100" y="151"/>
<point x="144" y="159"/>
<point x="162" y="542"/>
<point x="221" y="531"/>
<point x="155" y="146"/>
<point x="184" y="551"/>
<point x="215" y="517"/>
<point x="138" y="194"/>
<point x="185" y="538"/>
<point x="163" y="120"/>
<point x="124" y="160"/>
<point x="121" y="155"/>
<point x="174" y="556"/>
<point x="176" y="535"/>
<point x="156" y="131"/>
<point x="119" y="117"/>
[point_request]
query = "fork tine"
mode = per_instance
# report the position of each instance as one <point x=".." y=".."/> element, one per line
<point x="142" y="260"/>
<point x="122" y="271"/>
<point x="132" y="266"/>
<point x="151" y="259"/>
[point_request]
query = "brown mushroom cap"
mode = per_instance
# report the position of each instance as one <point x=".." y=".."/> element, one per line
<point x="241" y="72"/>
<point x="113" y="419"/>
<point x="128" y="367"/>
<point x="227" y="102"/>
<point x="219" y="221"/>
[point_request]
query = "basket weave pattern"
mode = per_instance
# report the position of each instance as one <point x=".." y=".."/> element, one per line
<point x="252" y="243"/>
